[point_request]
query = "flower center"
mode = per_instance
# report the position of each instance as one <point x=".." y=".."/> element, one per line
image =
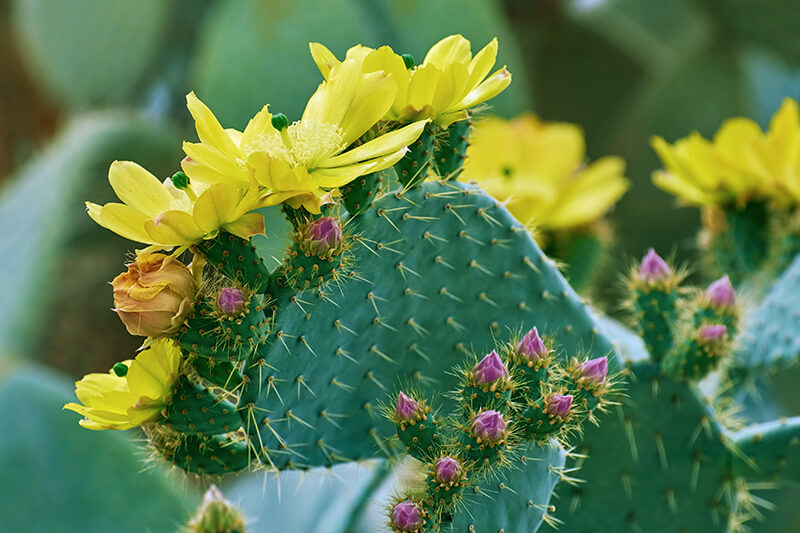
<point x="304" y="143"/>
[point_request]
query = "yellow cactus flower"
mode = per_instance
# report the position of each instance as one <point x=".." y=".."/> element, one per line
<point x="741" y="163"/>
<point x="537" y="169"/>
<point x="447" y="83"/>
<point x="165" y="216"/>
<point x="301" y="163"/>
<point x="132" y="393"/>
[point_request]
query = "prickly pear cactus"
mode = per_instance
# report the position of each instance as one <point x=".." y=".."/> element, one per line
<point x="514" y="405"/>
<point x="673" y="459"/>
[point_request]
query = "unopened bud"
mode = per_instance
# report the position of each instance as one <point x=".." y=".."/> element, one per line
<point x="531" y="346"/>
<point x="595" y="370"/>
<point x="447" y="469"/>
<point x="654" y="268"/>
<point x="489" y="426"/>
<point x="721" y="293"/>
<point x="407" y="516"/>
<point x="489" y="369"/>
<point x="231" y="300"/>
<point x="559" y="405"/>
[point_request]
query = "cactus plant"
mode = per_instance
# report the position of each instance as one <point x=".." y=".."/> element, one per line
<point x="673" y="459"/>
<point x="286" y="369"/>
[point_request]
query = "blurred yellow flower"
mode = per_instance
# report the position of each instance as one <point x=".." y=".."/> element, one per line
<point x="741" y="163"/>
<point x="448" y="82"/>
<point x="301" y="163"/>
<point x="538" y="170"/>
<point x="162" y="215"/>
<point x="137" y="396"/>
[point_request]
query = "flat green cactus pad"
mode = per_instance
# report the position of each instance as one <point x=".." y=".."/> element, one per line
<point x="661" y="465"/>
<point x="769" y="452"/>
<point x="771" y="341"/>
<point x="517" y="501"/>
<point x="438" y="272"/>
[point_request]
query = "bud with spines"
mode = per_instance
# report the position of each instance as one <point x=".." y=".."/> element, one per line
<point x="316" y="255"/>
<point x="547" y="416"/>
<point x="717" y="304"/>
<point x="698" y="354"/>
<point x="446" y="480"/>
<point x="231" y="301"/>
<point x="654" y="295"/>
<point x="589" y="380"/>
<point x="487" y="383"/>
<point x="217" y="515"/>
<point x="485" y="437"/>
<point x="408" y="516"/>
<point x="416" y="426"/>
<point x="530" y="360"/>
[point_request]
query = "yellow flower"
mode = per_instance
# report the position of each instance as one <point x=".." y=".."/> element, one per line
<point x="538" y="170"/>
<point x="742" y="163"/>
<point x="303" y="162"/>
<point x="162" y="215"/>
<point x="448" y="82"/>
<point x="110" y="401"/>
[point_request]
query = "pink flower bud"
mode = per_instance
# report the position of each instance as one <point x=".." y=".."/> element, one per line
<point x="531" y="346"/>
<point x="721" y="293"/>
<point x="595" y="370"/>
<point x="323" y="235"/>
<point x="155" y="296"/>
<point x="407" y="408"/>
<point x="447" y="469"/>
<point x="489" y="426"/>
<point x="560" y="404"/>
<point x="231" y="300"/>
<point x="713" y="332"/>
<point x="654" y="268"/>
<point x="489" y="369"/>
<point x="407" y="516"/>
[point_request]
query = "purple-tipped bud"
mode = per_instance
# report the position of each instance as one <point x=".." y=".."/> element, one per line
<point x="531" y="346"/>
<point x="712" y="333"/>
<point x="721" y="293"/>
<point x="560" y="404"/>
<point x="231" y="300"/>
<point x="489" y="426"/>
<point x="595" y="370"/>
<point x="489" y="369"/>
<point x="407" y="408"/>
<point x="324" y="234"/>
<point x="407" y="516"/>
<point x="448" y="470"/>
<point x="654" y="268"/>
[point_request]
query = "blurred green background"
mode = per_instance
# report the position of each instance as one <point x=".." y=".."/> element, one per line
<point x="88" y="81"/>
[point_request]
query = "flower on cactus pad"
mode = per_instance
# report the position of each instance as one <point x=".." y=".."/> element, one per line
<point x="407" y="516"/>
<point x="653" y="268"/>
<point x="531" y="346"/>
<point x="559" y="405"/>
<point x="122" y="399"/>
<point x="721" y="293"/>
<point x="538" y="170"/>
<point x="155" y="295"/>
<point x="449" y="81"/>
<point x="489" y="426"/>
<point x="302" y="162"/>
<point x="165" y="216"/>
<point x="741" y="163"/>
<point x="489" y="369"/>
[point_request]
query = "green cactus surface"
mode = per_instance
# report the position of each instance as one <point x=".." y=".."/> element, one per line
<point x="437" y="270"/>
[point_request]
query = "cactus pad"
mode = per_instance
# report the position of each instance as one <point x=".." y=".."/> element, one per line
<point x="438" y="271"/>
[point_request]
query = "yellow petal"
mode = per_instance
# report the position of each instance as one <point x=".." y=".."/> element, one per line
<point x="324" y="58"/>
<point x="332" y="99"/>
<point x="223" y="164"/>
<point x="259" y="125"/>
<point x="174" y="228"/>
<point x="137" y="188"/>
<point x="482" y="63"/>
<point x="380" y="146"/>
<point x="371" y="102"/>
<point x="122" y="220"/>
<point x="598" y="188"/>
<point x="216" y="206"/>
<point x="684" y="190"/>
<point x="487" y="90"/>
<point x="784" y="132"/>
<point x="246" y="226"/>
<point x="452" y="49"/>
<point x="154" y="370"/>
<point x="209" y="130"/>
<point x="450" y="88"/>
<point x="422" y="86"/>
